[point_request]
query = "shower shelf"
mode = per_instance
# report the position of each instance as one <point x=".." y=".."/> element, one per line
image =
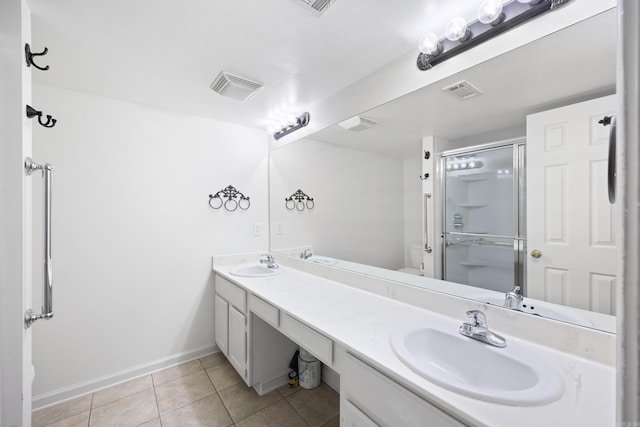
<point x="471" y="178"/>
<point x="472" y="264"/>
<point x="473" y="205"/>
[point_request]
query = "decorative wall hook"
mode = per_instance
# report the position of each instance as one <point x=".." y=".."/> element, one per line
<point x="425" y="176"/>
<point x="32" y="112"/>
<point x="29" y="57"/>
<point x="231" y="204"/>
<point x="299" y="200"/>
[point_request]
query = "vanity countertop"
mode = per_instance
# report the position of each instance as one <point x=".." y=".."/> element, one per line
<point x="363" y="322"/>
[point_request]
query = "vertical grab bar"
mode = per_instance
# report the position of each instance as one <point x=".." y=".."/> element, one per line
<point x="427" y="246"/>
<point x="47" y="306"/>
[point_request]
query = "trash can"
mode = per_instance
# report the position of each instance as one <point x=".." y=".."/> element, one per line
<point x="309" y="370"/>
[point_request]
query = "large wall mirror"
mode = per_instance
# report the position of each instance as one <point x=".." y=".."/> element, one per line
<point x="366" y="178"/>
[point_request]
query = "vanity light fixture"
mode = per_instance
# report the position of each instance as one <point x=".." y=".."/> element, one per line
<point x="292" y="125"/>
<point x="494" y="18"/>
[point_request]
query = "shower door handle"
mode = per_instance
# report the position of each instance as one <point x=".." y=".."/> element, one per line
<point x="47" y="306"/>
<point x="427" y="246"/>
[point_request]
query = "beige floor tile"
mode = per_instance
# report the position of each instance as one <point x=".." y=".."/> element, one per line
<point x="335" y="422"/>
<point x="80" y="420"/>
<point x="213" y="360"/>
<point x="129" y="411"/>
<point x="61" y="411"/>
<point x="153" y="423"/>
<point x="223" y="376"/>
<point x="119" y="391"/>
<point x="208" y="412"/>
<point x="316" y="406"/>
<point x="285" y="390"/>
<point x="182" y="391"/>
<point x="242" y="401"/>
<point x="280" y="414"/>
<point x="176" y="372"/>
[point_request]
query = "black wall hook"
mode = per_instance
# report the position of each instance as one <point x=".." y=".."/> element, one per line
<point x="29" y="57"/>
<point x="32" y="112"/>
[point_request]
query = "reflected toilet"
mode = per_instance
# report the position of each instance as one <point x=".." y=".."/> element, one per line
<point x="415" y="258"/>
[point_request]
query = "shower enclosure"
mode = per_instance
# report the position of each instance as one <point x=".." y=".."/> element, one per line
<point x="483" y="215"/>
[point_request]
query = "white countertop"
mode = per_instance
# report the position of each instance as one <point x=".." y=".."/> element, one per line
<point x="363" y="322"/>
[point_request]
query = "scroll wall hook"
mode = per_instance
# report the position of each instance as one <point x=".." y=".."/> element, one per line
<point x="29" y="57"/>
<point x="299" y="200"/>
<point x="32" y="112"/>
<point x="231" y="204"/>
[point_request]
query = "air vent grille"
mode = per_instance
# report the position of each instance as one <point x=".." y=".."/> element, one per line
<point x="236" y="87"/>
<point x="318" y="7"/>
<point x="462" y="90"/>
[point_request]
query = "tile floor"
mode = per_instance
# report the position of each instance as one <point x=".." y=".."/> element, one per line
<point x="203" y="392"/>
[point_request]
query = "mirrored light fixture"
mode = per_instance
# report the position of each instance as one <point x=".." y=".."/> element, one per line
<point x="293" y="124"/>
<point x="494" y="18"/>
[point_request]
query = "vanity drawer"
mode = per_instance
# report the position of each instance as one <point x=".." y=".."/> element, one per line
<point x="385" y="401"/>
<point x="233" y="294"/>
<point x="310" y="339"/>
<point x="266" y="311"/>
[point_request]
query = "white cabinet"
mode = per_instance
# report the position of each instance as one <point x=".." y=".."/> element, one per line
<point x="238" y="341"/>
<point x="231" y="325"/>
<point x="221" y="326"/>
<point x="370" y="398"/>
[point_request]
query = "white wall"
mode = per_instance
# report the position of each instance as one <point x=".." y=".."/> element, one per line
<point x="134" y="234"/>
<point x="358" y="213"/>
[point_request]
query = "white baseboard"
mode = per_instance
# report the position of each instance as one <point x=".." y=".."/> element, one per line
<point x="331" y="377"/>
<point x="57" y="396"/>
<point x="268" y="386"/>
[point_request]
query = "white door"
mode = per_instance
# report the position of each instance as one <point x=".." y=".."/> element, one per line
<point x="15" y="217"/>
<point x="571" y="226"/>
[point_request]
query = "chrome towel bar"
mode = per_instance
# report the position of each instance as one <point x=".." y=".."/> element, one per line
<point x="47" y="307"/>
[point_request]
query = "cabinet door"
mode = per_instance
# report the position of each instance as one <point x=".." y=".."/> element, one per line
<point x="238" y="341"/>
<point x="350" y="416"/>
<point x="221" y="325"/>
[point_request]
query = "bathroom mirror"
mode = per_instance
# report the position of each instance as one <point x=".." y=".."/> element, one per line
<point x="366" y="185"/>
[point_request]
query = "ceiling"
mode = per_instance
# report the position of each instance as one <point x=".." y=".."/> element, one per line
<point x="166" y="53"/>
<point x="568" y="66"/>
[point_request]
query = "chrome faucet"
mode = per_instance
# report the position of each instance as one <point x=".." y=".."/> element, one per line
<point x="269" y="260"/>
<point x="513" y="299"/>
<point x="478" y="330"/>
<point x="306" y="254"/>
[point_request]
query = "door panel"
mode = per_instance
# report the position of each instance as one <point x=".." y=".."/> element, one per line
<point x="221" y="326"/>
<point x="569" y="217"/>
<point x="238" y="341"/>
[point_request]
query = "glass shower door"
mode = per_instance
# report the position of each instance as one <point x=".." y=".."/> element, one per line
<point x="480" y="217"/>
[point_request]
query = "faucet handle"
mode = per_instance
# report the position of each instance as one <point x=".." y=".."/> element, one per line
<point x="266" y="258"/>
<point x="516" y="289"/>
<point x="478" y="318"/>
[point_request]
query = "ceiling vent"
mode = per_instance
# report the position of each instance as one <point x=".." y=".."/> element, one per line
<point x="236" y="87"/>
<point x="357" y="123"/>
<point x="317" y="7"/>
<point x="462" y="90"/>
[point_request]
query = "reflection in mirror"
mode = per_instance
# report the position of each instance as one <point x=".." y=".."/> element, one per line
<point x="370" y="192"/>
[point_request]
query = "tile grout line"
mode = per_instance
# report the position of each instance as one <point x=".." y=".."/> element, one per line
<point x="295" y="410"/>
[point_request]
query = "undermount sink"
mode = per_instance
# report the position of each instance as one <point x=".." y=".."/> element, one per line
<point x="512" y="375"/>
<point x="253" y="270"/>
<point x="539" y="308"/>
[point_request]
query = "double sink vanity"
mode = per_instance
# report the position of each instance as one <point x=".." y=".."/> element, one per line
<point x="402" y="356"/>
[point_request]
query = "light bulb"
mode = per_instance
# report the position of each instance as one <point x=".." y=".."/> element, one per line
<point x="471" y="165"/>
<point x="457" y="30"/>
<point x="456" y="166"/>
<point x="429" y="45"/>
<point x="531" y="2"/>
<point x="490" y="12"/>
<point x="292" y="120"/>
<point x="448" y="166"/>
